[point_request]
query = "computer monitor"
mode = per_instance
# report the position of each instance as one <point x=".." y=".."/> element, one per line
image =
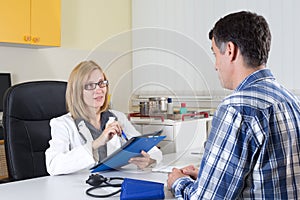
<point x="5" y="83"/>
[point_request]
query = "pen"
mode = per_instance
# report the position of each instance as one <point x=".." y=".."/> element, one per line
<point x="124" y="135"/>
<point x="196" y="153"/>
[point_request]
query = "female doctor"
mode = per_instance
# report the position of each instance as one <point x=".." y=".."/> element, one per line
<point x="87" y="134"/>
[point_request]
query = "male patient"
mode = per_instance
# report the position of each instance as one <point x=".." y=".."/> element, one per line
<point x="253" y="149"/>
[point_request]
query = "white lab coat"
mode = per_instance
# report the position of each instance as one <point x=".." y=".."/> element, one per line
<point x="69" y="152"/>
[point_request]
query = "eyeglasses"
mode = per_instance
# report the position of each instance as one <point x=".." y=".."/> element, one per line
<point x="92" y="86"/>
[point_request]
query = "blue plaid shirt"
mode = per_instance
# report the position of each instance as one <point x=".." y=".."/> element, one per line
<point x="253" y="150"/>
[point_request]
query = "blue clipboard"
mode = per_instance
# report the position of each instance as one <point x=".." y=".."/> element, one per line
<point x="131" y="148"/>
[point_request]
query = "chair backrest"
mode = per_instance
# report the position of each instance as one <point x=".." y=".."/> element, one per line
<point x="28" y="108"/>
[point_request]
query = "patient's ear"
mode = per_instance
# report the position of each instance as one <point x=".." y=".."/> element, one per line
<point x="232" y="50"/>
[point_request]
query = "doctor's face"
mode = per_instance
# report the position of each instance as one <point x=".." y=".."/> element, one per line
<point x="95" y="89"/>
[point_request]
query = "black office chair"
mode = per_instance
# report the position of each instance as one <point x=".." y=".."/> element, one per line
<point x="28" y="108"/>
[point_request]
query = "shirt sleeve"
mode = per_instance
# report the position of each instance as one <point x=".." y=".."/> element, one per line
<point x="226" y="160"/>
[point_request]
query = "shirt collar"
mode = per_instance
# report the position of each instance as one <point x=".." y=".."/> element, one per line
<point x="258" y="75"/>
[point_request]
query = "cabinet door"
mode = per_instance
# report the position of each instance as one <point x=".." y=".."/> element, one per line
<point x="15" y="21"/>
<point x="191" y="135"/>
<point x="45" y="22"/>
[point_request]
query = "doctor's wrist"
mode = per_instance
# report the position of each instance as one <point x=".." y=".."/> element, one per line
<point x="152" y="163"/>
<point x="97" y="143"/>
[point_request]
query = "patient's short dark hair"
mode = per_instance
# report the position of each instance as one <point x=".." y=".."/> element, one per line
<point x="249" y="32"/>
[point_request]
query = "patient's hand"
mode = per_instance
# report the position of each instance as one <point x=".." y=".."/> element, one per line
<point x="173" y="176"/>
<point x="142" y="161"/>
<point x="191" y="170"/>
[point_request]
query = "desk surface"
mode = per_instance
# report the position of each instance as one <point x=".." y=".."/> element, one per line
<point x="70" y="186"/>
<point x="73" y="186"/>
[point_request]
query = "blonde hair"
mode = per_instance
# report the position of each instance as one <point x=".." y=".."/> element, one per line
<point x="74" y="94"/>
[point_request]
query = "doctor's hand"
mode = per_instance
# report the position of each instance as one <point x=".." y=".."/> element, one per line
<point x="108" y="133"/>
<point x="173" y="176"/>
<point x="142" y="161"/>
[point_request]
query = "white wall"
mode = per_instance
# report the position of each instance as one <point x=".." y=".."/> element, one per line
<point x="98" y="29"/>
<point x="26" y="64"/>
<point x="183" y="57"/>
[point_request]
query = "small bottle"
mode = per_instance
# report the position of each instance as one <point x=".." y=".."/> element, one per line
<point x="170" y="106"/>
<point x="144" y="108"/>
<point x="110" y="120"/>
<point x="183" y="109"/>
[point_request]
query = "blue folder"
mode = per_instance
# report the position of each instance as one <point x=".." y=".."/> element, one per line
<point x="131" y="148"/>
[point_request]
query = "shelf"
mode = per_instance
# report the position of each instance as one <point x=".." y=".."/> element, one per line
<point x="163" y="116"/>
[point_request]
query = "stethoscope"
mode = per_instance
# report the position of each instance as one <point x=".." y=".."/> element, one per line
<point x="99" y="181"/>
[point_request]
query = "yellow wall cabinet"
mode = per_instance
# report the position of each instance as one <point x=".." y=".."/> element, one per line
<point x="32" y="22"/>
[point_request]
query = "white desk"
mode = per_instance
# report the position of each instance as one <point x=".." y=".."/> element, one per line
<point x="73" y="186"/>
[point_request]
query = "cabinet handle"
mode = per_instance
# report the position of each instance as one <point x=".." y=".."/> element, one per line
<point x="35" y="39"/>
<point x="194" y="114"/>
<point x="27" y="38"/>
